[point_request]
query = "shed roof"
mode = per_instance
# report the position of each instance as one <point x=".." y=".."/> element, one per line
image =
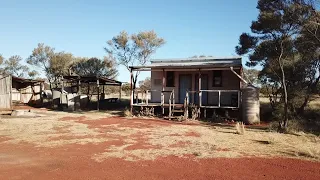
<point x="204" y="62"/>
<point x="88" y="79"/>
<point x="24" y="80"/>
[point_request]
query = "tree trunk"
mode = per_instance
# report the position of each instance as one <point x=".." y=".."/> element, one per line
<point x="301" y="109"/>
<point x="311" y="89"/>
<point x="284" y="123"/>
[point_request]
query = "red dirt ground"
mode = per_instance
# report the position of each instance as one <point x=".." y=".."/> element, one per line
<point x="194" y="134"/>
<point x="25" y="161"/>
<point x="74" y="162"/>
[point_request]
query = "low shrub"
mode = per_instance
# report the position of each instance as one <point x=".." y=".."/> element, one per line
<point x="294" y="126"/>
<point x="127" y="113"/>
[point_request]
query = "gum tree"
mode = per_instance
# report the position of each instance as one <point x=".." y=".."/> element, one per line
<point x="272" y="44"/>
<point x="132" y="50"/>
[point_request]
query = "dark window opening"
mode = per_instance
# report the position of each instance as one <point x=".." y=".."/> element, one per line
<point x="217" y="78"/>
<point x="170" y="79"/>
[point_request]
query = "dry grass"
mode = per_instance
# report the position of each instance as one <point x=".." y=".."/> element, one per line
<point x="158" y="140"/>
<point x="309" y="152"/>
<point x="209" y="144"/>
<point x="127" y="113"/>
<point x="240" y="128"/>
<point x="41" y="130"/>
<point x="315" y="104"/>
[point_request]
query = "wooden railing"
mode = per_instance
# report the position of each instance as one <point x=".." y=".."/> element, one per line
<point x="187" y="99"/>
<point x="145" y="100"/>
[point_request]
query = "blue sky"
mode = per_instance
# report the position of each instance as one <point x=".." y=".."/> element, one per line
<point x="82" y="27"/>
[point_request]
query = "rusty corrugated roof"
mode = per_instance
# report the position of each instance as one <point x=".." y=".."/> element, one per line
<point x="193" y="63"/>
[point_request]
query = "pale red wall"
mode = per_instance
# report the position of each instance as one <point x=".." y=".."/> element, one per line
<point x="229" y="82"/>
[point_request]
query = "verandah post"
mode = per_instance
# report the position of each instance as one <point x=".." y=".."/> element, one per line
<point x="199" y="91"/>
<point x="147" y="100"/>
<point x="131" y="92"/>
<point x="186" y="103"/>
<point x="170" y="99"/>
<point x="162" y="93"/>
<point x="98" y="105"/>
<point x="103" y="91"/>
<point x="120" y="91"/>
<point x="219" y="98"/>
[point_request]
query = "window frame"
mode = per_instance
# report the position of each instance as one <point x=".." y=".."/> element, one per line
<point x="172" y="82"/>
<point x="214" y="75"/>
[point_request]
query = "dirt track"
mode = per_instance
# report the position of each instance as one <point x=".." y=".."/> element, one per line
<point x="67" y="146"/>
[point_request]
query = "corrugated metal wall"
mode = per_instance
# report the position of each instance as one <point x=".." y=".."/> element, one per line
<point x="5" y="92"/>
<point x="26" y="94"/>
<point x="37" y="90"/>
<point x="15" y="95"/>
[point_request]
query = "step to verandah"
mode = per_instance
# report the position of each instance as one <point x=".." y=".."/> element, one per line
<point x="178" y="110"/>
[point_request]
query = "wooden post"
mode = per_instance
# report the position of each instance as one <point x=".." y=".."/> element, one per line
<point x="239" y="97"/>
<point x="62" y="89"/>
<point x="162" y="94"/>
<point x="241" y="74"/>
<point x="147" y="99"/>
<point x="79" y="87"/>
<point x="10" y="93"/>
<point x="78" y="99"/>
<point x="186" y="108"/>
<point x="173" y="99"/>
<point x="137" y="97"/>
<point x="120" y="92"/>
<point x="62" y="85"/>
<point x="219" y="98"/>
<point x="88" y="93"/>
<point x="170" y="99"/>
<point x="41" y="90"/>
<point x="103" y="92"/>
<point x="131" y="92"/>
<point x="98" y="102"/>
<point x="33" y="97"/>
<point x="199" y="90"/>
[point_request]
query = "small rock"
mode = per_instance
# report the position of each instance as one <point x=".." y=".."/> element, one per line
<point x="17" y="113"/>
<point x="23" y="113"/>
